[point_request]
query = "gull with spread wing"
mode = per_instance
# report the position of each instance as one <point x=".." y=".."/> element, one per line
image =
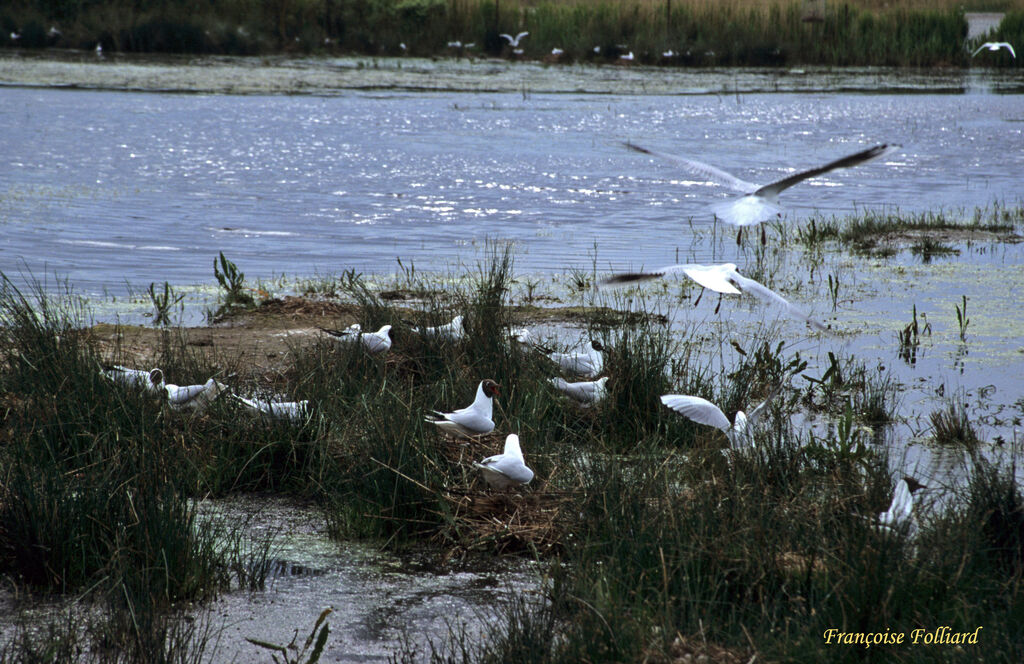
<point x="474" y="419"/>
<point x="740" y="431"/>
<point x="508" y="469"/>
<point x="759" y="202"/>
<point x="721" y="278"/>
<point x="995" y="46"/>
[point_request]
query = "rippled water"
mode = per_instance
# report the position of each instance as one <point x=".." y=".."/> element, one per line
<point x="108" y="187"/>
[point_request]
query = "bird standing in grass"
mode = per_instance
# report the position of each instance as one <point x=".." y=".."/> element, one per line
<point x="508" y="469"/>
<point x="473" y="420"/>
<point x="587" y="363"/>
<point x="900" y="515"/>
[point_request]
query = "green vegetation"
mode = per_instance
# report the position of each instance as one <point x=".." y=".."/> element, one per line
<point x="697" y="32"/>
<point x="880" y="234"/>
<point x="656" y="544"/>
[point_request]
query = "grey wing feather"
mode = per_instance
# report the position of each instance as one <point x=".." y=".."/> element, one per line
<point x="762" y="292"/>
<point x="849" y="161"/>
<point x="700" y="168"/>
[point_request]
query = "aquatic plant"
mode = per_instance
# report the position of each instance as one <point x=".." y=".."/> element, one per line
<point x="961" y="319"/>
<point x="162" y="303"/>
<point x="951" y="426"/>
<point x="910" y="337"/>
<point x="320" y="639"/>
<point x="232" y="281"/>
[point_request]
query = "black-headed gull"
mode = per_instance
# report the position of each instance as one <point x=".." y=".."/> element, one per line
<point x="453" y="331"/>
<point x="507" y="469"/>
<point x="721" y="278"/>
<point x="196" y="397"/>
<point x="295" y="411"/>
<point x="585" y="392"/>
<point x="150" y="381"/>
<point x="374" y="342"/>
<point x="474" y="419"/>
<point x="586" y="363"/>
<point x="739" y="431"/>
<point x="760" y="202"/>
<point x="900" y="514"/>
<point x="995" y="46"/>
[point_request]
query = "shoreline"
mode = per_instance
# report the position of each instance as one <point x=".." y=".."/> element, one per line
<point x="327" y="76"/>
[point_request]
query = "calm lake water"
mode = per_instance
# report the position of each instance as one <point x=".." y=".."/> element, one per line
<point x="108" y="187"/>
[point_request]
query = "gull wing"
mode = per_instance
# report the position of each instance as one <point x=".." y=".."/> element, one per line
<point x="762" y="292"/>
<point x="699" y="410"/>
<point x="708" y="171"/>
<point x="714" y="277"/>
<point x="772" y="190"/>
<point x="753" y="416"/>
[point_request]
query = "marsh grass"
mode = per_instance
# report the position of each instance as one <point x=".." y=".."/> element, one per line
<point x="927" y="233"/>
<point x="701" y="33"/>
<point x="92" y="495"/>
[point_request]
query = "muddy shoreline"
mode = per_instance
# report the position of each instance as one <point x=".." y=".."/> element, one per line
<point x="273" y="75"/>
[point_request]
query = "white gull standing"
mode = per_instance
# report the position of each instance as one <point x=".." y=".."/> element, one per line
<point x="508" y="469"/>
<point x="473" y="420"/>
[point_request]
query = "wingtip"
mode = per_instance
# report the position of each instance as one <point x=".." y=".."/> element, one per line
<point x="625" y="278"/>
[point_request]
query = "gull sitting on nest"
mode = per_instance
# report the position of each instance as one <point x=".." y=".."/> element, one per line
<point x="508" y="469"/>
<point x="373" y="342"/>
<point x="473" y="420"/>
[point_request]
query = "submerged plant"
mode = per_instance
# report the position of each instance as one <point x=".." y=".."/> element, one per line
<point x="951" y="426"/>
<point x="300" y="655"/>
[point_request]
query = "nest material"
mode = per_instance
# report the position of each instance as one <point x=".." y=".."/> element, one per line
<point x="506" y="522"/>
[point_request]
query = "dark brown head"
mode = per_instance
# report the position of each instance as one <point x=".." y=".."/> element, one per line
<point x="491" y="388"/>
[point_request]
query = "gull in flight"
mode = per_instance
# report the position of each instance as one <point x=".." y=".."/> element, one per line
<point x="151" y="381"/>
<point x="514" y="41"/>
<point x="374" y="342"/>
<point x="586" y="363"/>
<point x="196" y="397"/>
<point x="759" y="202"/>
<point x="587" y="393"/>
<point x="294" y="411"/>
<point x="995" y="46"/>
<point x="453" y="331"/>
<point x="474" y="419"/>
<point x="721" y="278"/>
<point x="508" y="469"/>
<point x="900" y="514"/>
<point x="740" y="431"/>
